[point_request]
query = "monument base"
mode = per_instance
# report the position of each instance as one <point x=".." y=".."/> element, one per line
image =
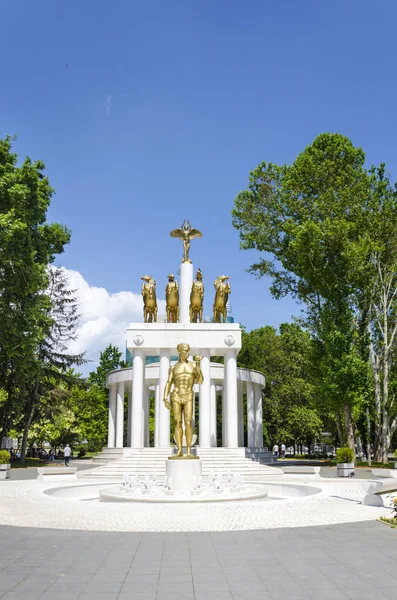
<point x="185" y="474"/>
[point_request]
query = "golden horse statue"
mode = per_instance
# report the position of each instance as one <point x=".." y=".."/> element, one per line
<point x="149" y="299"/>
<point x="172" y="300"/>
<point x="196" y="299"/>
<point x="222" y="291"/>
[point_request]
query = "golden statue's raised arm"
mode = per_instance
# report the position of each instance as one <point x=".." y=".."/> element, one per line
<point x="198" y="374"/>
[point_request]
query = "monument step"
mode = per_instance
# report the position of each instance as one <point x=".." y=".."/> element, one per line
<point x="144" y="461"/>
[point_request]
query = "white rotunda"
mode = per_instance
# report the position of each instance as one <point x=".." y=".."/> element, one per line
<point x="144" y="383"/>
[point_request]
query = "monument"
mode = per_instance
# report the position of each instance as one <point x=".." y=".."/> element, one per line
<point x="158" y="382"/>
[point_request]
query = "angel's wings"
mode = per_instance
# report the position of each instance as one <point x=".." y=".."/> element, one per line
<point x="177" y="233"/>
<point x="195" y="233"/>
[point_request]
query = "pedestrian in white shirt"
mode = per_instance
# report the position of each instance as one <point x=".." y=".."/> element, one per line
<point x="66" y="454"/>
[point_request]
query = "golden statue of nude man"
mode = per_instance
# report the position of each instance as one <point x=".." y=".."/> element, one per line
<point x="184" y="374"/>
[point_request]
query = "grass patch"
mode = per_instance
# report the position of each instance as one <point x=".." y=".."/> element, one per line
<point x="36" y="462"/>
<point x="29" y="462"/>
<point x="391" y="522"/>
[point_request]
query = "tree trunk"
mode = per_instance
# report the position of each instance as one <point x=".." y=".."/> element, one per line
<point x="28" y="421"/>
<point x="369" y="439"/>
<point x="348" y="423"/>
<point x="385" y="413"/>
<point x="339" y="428"/>
<point x="374" y="361"/>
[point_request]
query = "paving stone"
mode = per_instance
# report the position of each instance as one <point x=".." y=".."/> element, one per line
<point x="139" y="586"/>
<point x="30" y="595"/>
<point x="216" y="595"/>
<point x="100" y="596"/>
<point x="362" y="575"/>
<point x="136" y="596"/>
<point x="103" y="586"/>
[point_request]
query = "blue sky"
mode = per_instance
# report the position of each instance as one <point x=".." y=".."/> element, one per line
<point x="147" y="113"/>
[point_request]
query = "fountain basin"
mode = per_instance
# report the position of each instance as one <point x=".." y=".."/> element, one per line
<point x="111" y="493"/>
<point x="206" y="494"/>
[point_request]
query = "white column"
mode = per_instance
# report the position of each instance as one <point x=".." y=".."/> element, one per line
<point x="112" y="417"/>
<point x="156" y="415"/>
<point x="250" y="415"/>
<point x="138" y="373"/>
<point x="205" y="402"/>
<point x="120" y="415"/>
<point x="186" y="280"/>
<point x="224" y="413"/>
<point x="232" y="404"/>
<point x="129" y="418"/>
<point x="145" y="417"/>
<point x="258" y="416"/>
<point x="164" y="413"/>
<point x="240" y="413"/>
<point x="213" y="415"/>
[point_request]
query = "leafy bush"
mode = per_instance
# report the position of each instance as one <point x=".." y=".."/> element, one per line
<point x="344" y="455"/>
<point x="394" y="507"/>
<point x="5" y="457"/>
<point x="395" y="453"/>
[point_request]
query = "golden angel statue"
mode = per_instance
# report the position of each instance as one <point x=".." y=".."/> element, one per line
<point x="186" y="233"/>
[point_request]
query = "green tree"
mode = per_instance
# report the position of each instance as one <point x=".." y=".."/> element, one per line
<point x="375" y="297"/>
<point x="28" y="245"/>
<point x="304" y="425"/>
<point x="308" y="219"/>
<point x="90" y="415"/>
<point x="50" y="368"/>
<point x="284" y="358"/>
<point x="109" y="360"/>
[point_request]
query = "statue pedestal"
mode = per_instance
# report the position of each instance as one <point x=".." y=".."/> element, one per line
<point x="186" y="279"/>
<point x="185" y="474"/>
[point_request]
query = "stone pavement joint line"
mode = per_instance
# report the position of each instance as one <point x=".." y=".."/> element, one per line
<point x="340" y="562"/>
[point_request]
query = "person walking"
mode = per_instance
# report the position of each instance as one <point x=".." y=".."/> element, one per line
<point x="282" y="448"/>
<point x="66" y="454"/>
<point x="275" y="450"/>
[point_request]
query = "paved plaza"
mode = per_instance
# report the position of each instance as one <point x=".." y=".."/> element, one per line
<point x="34" y="503"/>
<point x="337" y="562"/>
<point x="327" y="546"/>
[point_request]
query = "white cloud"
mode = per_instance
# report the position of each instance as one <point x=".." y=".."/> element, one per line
<point x="104" y="318"/>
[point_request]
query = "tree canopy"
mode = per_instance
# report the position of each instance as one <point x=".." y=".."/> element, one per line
<point x="326" y="226"/>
